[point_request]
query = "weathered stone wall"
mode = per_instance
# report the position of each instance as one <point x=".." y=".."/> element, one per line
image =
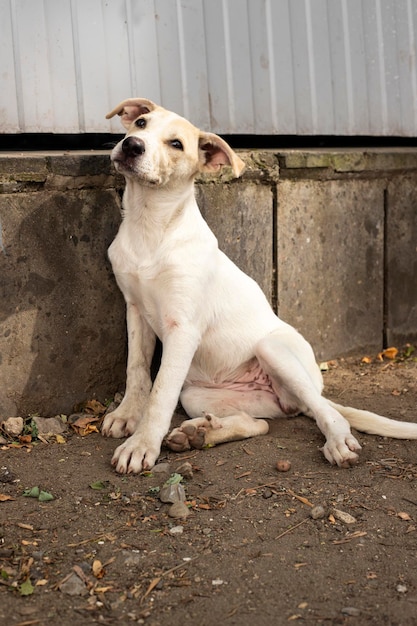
<point x="330" y="236"/>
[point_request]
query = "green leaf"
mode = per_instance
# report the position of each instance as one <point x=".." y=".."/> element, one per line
<point x="32" y="493"/>
<point x="174" y="479"/>
<point x="26" y="588"/>
<point x="44" y="496"/>
<point x="99" y="485"/>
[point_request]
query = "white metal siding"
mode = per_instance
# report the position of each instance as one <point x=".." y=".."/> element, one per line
<point x="326" y="67"/>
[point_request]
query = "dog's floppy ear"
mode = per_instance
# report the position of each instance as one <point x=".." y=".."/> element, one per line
<point x="131" y="109"/>
<point x="215" y="153"/>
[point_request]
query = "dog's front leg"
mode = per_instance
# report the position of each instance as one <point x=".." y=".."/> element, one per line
<point x="141" y="344"/>
<point x="140" y="451"/>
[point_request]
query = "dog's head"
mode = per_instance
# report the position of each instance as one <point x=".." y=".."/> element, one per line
<point x="161" y="147"/>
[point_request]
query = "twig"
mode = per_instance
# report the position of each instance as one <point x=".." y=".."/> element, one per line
<point x="292" y="528"/>
<point x="410" y="501"/>
<point x="158" y="579"/>
<point x="97" y="538"/>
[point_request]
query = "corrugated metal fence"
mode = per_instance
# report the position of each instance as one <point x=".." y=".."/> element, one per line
<point x="309" y="67"/>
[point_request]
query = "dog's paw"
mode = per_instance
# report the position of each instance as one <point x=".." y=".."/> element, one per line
<point x="192" y="433"/>
<point x="118" y="424"/>
<point x="342" y="451"/>
<point x="136" y="454"/>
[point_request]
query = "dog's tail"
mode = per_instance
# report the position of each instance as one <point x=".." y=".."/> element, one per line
<point x="375" y="424"/>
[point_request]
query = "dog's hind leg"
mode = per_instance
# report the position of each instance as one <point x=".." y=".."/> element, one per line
<point x="220" y="415"/>
<point x="209" y="430"/>
<point x="289" y="361"/>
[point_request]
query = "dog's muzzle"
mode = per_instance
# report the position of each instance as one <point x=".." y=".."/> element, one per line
<point x="133" y="147"/>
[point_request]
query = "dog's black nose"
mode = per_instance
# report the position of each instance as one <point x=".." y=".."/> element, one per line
<point x="132" y="146"/>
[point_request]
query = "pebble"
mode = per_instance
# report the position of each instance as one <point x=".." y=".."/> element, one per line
<point x="178" y="510"/>
<point x="351" y="611"/>
<point x="6" y="476"/>
<point x="172" y="493"/>
<point x="74" y="586"/>
<point x="401" y="588"/>
<point x="131" y="559"/>
<point x="186" y="470"/>
<point x="49" y="425"/>
<point x="344" y="517"/>
<point x="267" y="494"/>
<point x="161" y="468"/>
<point x="317" y="512"/>
<point x="283" y="465"/>
<point x="13" y="426"/>
<point x="176" y="530"/>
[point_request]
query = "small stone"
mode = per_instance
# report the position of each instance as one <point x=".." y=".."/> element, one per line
<point x="344" y="517"/>
<point x="13" y="426"/>
<point x="74" y="586"/>
<point x="186" y="470"/>
<point x="283" y="465"/>
<point x="178" y="510"/>
<point x="49" y="425"/>
<point x="176" y="530"/>
<point x="172" y="493"/>
<point x="401" y="588"/>
<point x="351" y="611"/>
<point x="6" y="476"/>
<point x="267" y="494"/>
<point x="132" y="559"/>
<point x="161" y="468"/>
<point x="317" y="512"/>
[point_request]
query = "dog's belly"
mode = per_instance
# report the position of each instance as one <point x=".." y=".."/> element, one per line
<point x="248" y="377"/>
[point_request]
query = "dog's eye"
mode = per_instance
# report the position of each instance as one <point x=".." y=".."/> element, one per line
<point x="176" y="143"/>
<point x="140" y="123"/>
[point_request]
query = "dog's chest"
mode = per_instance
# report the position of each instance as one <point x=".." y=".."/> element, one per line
<point x="151" y="281"/>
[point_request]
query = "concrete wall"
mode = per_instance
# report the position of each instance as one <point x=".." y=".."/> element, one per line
<point x="330" y="236"/>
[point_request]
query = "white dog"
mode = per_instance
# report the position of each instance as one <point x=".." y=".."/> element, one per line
<point x="226" y="355"/>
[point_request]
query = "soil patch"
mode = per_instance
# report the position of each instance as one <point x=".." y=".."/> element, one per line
<point x="105" y="551"/>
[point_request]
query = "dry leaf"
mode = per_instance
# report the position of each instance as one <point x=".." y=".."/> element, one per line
<point x="86" y="425"/>
<point x="390" y="353"/>
<point x="97" y="569"/>
<point x="94" y="406"/>
<point x="60" y="439"/>
<point x="25" y="439"/>
<point x="366" y="359"/>
<point x="404" y="516"/>
<point x="4" y="497"/>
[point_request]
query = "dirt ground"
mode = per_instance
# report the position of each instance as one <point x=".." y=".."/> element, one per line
<point x="105" y="551"/>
